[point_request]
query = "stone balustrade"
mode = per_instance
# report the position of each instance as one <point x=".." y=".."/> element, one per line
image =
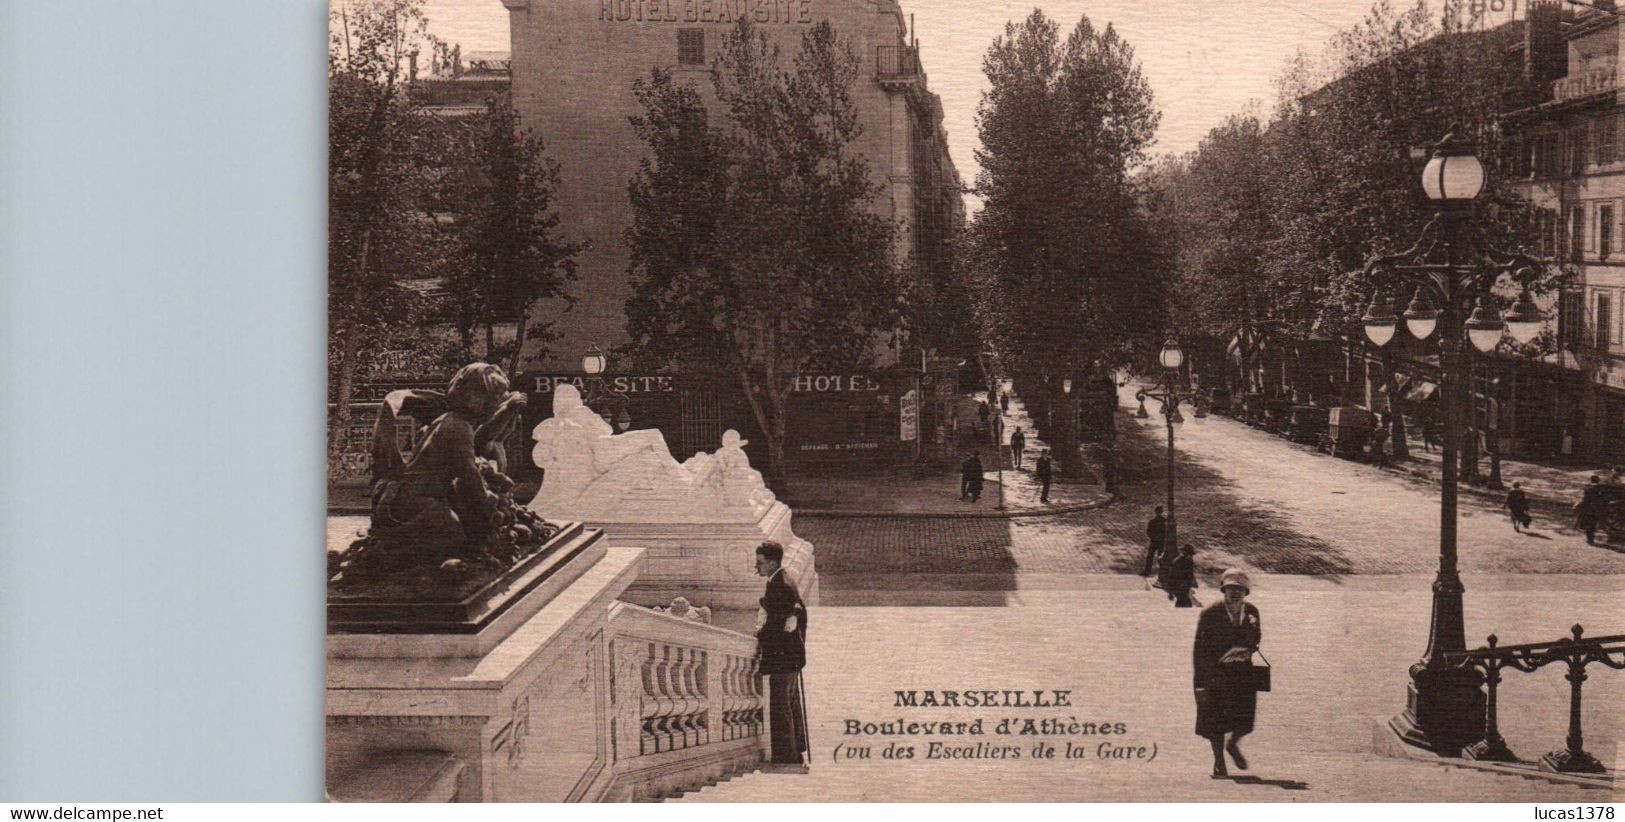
<point x="686" y="702"/>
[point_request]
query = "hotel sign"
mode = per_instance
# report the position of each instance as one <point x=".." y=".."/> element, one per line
<point x="623" y="384"/>
<point x="705" y="11"/>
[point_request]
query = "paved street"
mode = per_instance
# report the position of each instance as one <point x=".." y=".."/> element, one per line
<point x="1245" y="497"/>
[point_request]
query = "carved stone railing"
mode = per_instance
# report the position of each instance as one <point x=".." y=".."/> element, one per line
<point x="1576" y="652"/>
<point x="686" y="702"/>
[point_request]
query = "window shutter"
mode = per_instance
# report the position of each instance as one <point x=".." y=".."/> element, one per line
<point x="1590" y="212"/>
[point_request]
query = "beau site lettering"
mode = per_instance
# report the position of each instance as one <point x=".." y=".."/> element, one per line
<point x="705" y="11"/>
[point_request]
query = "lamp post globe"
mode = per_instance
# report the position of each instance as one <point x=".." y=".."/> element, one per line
<point x="594" y="361"/>
<point x="1454" y="175"/>
<point x="1171" y="357"/>
<point x="1484" y="327"/>
<point x="1379" y="321"/>
<point x="1421" y="318"/>
<point x="1524" y="321"/>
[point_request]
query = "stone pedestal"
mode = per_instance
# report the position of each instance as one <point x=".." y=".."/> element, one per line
<point x="714" y="563"/>
<point x="508" y="704"/>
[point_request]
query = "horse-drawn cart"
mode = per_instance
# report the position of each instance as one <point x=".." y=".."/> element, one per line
<point x="1349" y="430"/>
<point x="1307" y="424"/>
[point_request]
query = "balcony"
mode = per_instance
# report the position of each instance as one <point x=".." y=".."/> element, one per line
<point x="1586" y="83"/>
<point x="897" y="67"/>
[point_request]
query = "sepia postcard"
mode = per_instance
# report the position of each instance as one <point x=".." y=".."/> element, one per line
<point x="938" y="400"/>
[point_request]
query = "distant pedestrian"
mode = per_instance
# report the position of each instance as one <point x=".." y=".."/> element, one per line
<point x="1018" y="443"/>
<point x="1182" y="577"/>
<point x="973" y="477"/>
<point x="965" y="472"/>
<point x="1155" y="531"/>
<point x="1227" y="636"/>
<point x="1518" y="506"/>
<point x="1430" y="434"/>
<point x="1004" y="401"/>
<point x="1045" y="475"/>
<point x="1589" y="511"/>
<point x="1379" y="439"/>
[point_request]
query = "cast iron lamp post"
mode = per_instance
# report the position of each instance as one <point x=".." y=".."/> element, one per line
<point x="1453" y="278"/>
<point x="1170" y="390"/>
<point x="593" y="364"/>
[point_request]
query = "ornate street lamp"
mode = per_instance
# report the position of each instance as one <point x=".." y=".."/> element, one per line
<point x="594" y="363"/>
<point x="1453" y="275"/>
<point x="1169" y="390"/>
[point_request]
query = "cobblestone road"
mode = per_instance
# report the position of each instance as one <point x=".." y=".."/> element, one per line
<point x="1245" y="497"/>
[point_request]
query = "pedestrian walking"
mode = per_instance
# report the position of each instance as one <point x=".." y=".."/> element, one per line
<point x="1045" y="474"/>
<point x="973" y="477"/>
<point x="1018" y="443"/>
<point x="1227" y="636"/>
<point x="1004" y="401"/>
<point x="1379" y="439"/>
<point x="1518" y="506"/>
<point x="781" y="642"/>
<point x="1589" y="511"/>
<point x="965" y="472"/>
<point x="1182" y="577"/>
<point x="1155" y="530"/>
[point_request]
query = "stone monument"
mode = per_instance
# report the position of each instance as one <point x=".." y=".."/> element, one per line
<point x="700" y="520"/>
<point x="478" y="652"/>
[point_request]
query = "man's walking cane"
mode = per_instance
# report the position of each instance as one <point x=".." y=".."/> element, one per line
<point x="806" y="735"/>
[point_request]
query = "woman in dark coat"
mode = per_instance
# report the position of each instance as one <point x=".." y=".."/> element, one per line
<point x="1226" y="637"/>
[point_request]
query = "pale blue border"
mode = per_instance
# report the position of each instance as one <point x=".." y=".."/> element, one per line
<point x="161" y="316"/>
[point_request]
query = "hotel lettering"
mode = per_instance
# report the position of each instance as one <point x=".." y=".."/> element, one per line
<point x="705" y="11"/>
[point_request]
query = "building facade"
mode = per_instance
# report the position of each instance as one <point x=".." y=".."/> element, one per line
<point x="573" y="66"/>
<point x="1568" y="158"/>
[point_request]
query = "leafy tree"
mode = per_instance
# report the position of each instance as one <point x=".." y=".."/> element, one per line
<point x="1279" y="220"/>
<point x="755" y="253"/>
<point x="376" y="175"/>
<point x="1063" y="248"/>
<point x="511" y="251"/>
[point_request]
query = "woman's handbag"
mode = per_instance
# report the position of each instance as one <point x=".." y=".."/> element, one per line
<point x="1257" y="677"/>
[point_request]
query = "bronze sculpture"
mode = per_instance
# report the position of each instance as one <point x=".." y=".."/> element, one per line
<point x="446" y="511"/>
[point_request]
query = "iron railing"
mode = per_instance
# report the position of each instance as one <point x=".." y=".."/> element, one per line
<point x="1576" y="652"/>
<point x="896" y="63"/>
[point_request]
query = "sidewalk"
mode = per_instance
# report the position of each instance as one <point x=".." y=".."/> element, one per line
<point x="1552" y="489"/>
<point x="900" y="493"/>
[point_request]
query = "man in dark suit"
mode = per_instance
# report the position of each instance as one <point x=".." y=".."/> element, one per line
<point x="1154" y="533"/>
<point x="1045" y="474"/>
<point x="781" y="641"/>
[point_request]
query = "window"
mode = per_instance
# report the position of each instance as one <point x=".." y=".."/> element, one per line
<point x="691" y="47"/>
<point x="1571" y="319"/>
<point x="1577" y="232"/>
<point x="1607" y="136"/>
<point x="1548" y="154"/>
<point x="1577" y="149"/>
<point x="1546" y="222"/>
<point x="1604" y="321"/>
<point x="1605" y="231"/>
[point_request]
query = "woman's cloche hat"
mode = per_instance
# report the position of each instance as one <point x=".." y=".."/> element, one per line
<point x="1237" y="577"/>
